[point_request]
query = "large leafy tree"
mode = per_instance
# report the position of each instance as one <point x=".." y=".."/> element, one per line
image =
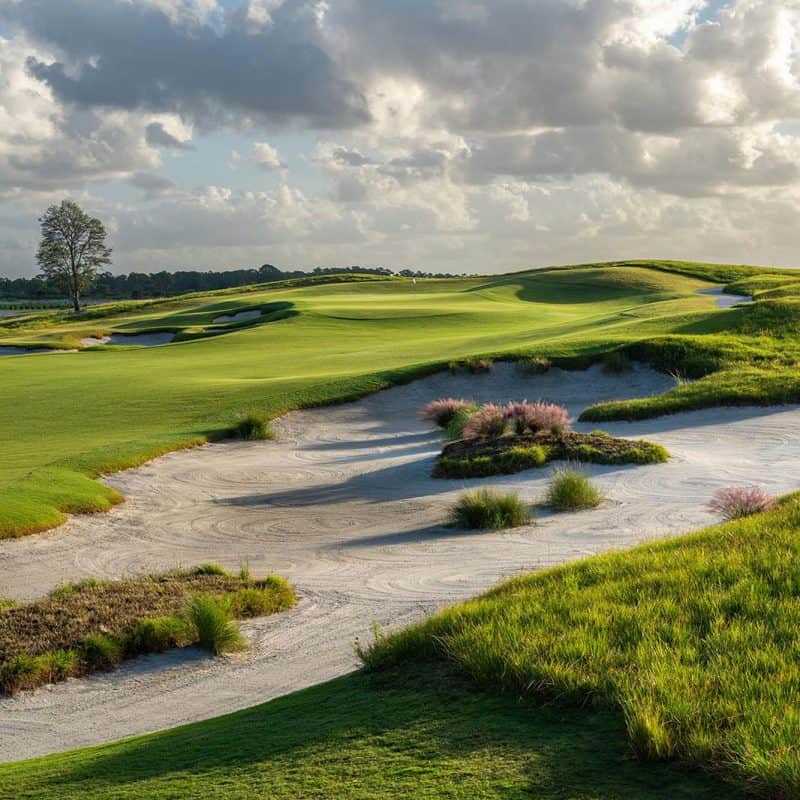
<point x="72" y="249"/>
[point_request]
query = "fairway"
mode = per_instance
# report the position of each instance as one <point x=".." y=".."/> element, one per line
<point x="95" y="411"/>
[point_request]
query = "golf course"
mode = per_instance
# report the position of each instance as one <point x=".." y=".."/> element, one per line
<point x="634" y="641"/>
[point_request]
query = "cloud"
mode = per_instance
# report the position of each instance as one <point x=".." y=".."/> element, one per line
<point x="138" y="56"/>
<point x="480" y="134"/>
<point x="157" y="136"/>
<point x="267" y="157"/>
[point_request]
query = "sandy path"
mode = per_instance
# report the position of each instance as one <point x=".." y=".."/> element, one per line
<point x="343" y="505"/>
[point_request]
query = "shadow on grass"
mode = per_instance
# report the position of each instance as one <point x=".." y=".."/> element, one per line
<point x="410" y="733"/>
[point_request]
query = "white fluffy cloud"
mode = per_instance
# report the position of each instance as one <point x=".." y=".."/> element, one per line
<point x="452" y="134"/>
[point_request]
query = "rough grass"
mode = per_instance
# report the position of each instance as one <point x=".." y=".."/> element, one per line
<point x="92" y="625"/>
<point x="693" y="639"/>
<point x="409" y="733"/>
<point x="254" y="427"/>
<point x="208" y="617"/>
<point x="490" y="509"/>
<point x="571" y="489"/>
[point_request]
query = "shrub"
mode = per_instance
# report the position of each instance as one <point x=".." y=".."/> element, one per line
<point x="101" y="652"/>
<point x="570" y="489"/>
<point x="20" y="672"/>
<point x="489" y="509"/>
<point x="535" y="417"/>
<point x="489" y="421"/>
<point x="736" y="502"/>
<point x="455" y="429"/>
<point x="519" y="458"/>
<point x="210" y="569"/>
<point x="476" y="365"/>
<point x="535" y="365"/>
<point x="157" y="634"/>
<point x="58" y="665"/>
<point x="209" y="618"/>
<point x="254" y="427"/>
<point x="252" y="602"/>
<point x="441" y="412"/>
<point x="616" y="361"/>
<point x="478" y="467"/>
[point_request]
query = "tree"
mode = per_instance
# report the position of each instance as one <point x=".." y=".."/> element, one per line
<point x="72" y="249"/>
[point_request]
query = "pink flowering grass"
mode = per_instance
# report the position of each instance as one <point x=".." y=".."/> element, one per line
<point x="736" y="502"/>
<point x="441" y="412"/>
<point x="490" y="421"/>
<point x="535" y="417"/>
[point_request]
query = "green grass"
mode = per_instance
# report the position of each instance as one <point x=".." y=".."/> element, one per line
<point x="489" y="509"/>
<point x="571" y="490"/>
<point x="407" y="733"/>
<point x="694" y="640"/>
<point x="90" y="412"/>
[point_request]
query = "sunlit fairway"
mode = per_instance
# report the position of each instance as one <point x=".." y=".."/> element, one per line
<point x="66" y="415"/>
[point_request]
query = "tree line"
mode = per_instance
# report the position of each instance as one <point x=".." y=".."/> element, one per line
<point x="73" y="249"/>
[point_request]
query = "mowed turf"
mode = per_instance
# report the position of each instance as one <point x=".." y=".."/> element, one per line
<point x="67" y="415"/>
<point x="408" y="733"/>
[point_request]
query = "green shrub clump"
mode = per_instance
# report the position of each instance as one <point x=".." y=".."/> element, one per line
<point x="570" y="490"/>
<point x="208" y="617"/>
<point x="490" y="509"/>
<point x="254" y="427"/>
<point x="535" y="365"/>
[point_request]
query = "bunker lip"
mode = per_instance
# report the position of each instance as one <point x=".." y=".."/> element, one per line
<point x="344" y="506"/>
<point x="133" y="339"/>
<point x="241" y="316"/>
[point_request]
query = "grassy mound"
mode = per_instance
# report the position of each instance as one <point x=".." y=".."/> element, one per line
<point x="571" y="490"/>
<point x="489" y="509"/>
<point x="482" y="457"/>
<point x="693" y="639"/>
<point x="92" y="625"/>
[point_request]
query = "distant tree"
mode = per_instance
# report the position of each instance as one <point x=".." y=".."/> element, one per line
<point x="72" y="250"/>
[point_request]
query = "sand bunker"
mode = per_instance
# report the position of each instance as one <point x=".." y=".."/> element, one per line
<point x="23" y="351"/>
<point x="725" y="300"/>
<point x="139" y="339"/>
<point x="344" y="506"/>
<point x="240" y="317"/>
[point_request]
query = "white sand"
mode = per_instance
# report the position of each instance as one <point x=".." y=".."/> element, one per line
<point x="343" y="505"/>
<point x="726" y="300"/>
<point x="138" y="339"/>
<point x="240" y="317"/>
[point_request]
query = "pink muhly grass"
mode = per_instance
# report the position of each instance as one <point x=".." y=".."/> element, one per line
<point x="441" y="412"/>
<point x="490" y="421"/>
<point x="535" y="417"/>
<point x="736" y="502"/>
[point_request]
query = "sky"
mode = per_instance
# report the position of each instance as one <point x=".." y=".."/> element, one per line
<point x="442" y="135"/>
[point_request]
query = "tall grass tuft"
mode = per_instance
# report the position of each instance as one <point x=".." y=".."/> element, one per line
<point x="736" y="502"/>
<point x="254" y="427"/>
<point x="209" y="618"/>
<point x="535" y="417"/>
<point x="441" y="412"/>
<point x="570" y="490"/>
<point x="455" y="429"/>
<point x="489" y="421"/>
<point x="490" y="509"/>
